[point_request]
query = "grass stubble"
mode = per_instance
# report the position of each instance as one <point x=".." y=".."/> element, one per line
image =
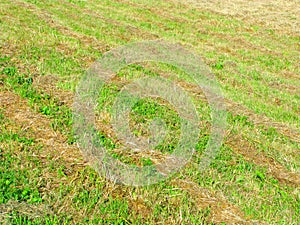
<point x="45" y="48"/>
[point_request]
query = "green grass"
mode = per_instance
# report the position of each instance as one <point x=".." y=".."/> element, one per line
<point x="255" y="66"/>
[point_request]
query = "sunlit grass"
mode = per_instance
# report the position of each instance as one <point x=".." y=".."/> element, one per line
<point x="255" y="68"/>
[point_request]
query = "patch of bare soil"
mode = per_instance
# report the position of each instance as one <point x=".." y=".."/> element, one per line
<point x="280" y="15"/>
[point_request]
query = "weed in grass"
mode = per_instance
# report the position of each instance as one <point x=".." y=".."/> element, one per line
<point x="14" y="181"/>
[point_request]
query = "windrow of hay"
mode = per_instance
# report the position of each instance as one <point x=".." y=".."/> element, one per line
<point x="221" y="209"/>
<point x="54" y="143"/>
<point x="53" y="22"/>
<point x="17" y="110"/>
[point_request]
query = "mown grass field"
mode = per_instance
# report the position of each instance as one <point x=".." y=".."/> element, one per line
<point x="45" y="48"/>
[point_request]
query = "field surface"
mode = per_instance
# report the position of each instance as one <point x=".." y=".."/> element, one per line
<point x="253" y="49"/>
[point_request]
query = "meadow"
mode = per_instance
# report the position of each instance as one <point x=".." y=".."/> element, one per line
<point x="251" y="47"/>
